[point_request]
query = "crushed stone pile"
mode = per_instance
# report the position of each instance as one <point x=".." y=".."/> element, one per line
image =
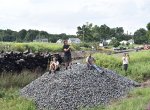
<point x="77" y="87"/>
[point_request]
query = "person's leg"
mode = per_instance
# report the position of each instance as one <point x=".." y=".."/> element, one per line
<point x="66" y="65"/>
<point x="88" y="66"/>
<point x="125" y="68"/>
<point x="53" y="68"/>
<point x="66" y="62"/>
<point x="69" y="62"/>
<point x="97" y="68"/>
<point x="50" y="68"/>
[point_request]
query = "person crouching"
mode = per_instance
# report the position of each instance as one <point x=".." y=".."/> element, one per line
<point x="54" y="65"/>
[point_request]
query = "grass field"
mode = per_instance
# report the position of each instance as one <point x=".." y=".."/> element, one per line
<point x="136" y="99"/>
<point x="41" y="46"/>
<point x="10" y="100"/>
<point x="9" y="91"/>
<point x="138" y="64"/>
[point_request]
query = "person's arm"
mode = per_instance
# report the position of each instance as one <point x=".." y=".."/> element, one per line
<point x="67" y="49"/>
<point x="57" y="63"/>
<point x="87" y="60"/>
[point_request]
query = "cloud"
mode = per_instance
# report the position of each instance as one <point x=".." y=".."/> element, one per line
<point x="63" y="16"/>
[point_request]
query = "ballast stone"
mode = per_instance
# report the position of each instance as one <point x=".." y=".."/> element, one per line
<point x="77" y="87"/>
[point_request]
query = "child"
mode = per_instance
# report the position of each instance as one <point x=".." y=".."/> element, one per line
<point x="54" y="65"/>
<point x="125" y="61"/>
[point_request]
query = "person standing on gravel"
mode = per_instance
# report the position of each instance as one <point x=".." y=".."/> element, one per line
<point x="125" y="61"/>
<point x="67" y="54"/>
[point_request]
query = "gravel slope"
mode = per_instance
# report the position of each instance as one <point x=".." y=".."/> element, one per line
<point x="77" y="87"/>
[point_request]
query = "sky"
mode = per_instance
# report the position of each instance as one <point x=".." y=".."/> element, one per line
<point x="64" y="16"/>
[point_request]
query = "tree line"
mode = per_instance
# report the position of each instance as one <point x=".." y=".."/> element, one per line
<point x="87" y="33"/>
<point x="30" y="35"/>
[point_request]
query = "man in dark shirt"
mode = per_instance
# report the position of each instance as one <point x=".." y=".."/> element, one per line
<point x="67" y="54"/>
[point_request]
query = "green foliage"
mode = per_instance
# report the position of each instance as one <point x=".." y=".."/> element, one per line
<point x="114" y="42"/>
<point x="34" y="46"/>
<point x="29" y="35"/>
<point x="140" y="36"/>
<point x="42" y="47"/>
<point x="16" y="80"/>
<point x="138" y="64"/>
<point x="10" y="100"/>
<point x="136" y="100"/>
<point x="107" y="61"/>
<point x="9" y="91"/>
<point x="94" y="33"/>
<point x="148" y="26"/>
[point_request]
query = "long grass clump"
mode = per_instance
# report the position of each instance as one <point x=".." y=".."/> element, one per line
<point x="138" y="64"/>
<point x="10" y="100"/>
<point x="34" y="46"/>
<point x="10" y="83"/>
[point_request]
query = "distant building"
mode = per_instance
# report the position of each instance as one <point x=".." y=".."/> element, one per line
<point x="123" y="42"/>
<point x="108" y="41"/>
<point x="41" y="40"/>
<point x="105" y="42"/>
<point x="74" y="40"/>
<point x="131" y="41"/>
<point x="59" y="41"/>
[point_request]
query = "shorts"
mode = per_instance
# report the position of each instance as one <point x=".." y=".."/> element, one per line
<point x="67" y="58"/>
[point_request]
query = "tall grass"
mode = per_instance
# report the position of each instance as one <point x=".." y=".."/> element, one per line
<point x="16" y="80"/>
<point x="138" y="64"/>
<point x="34" y="46"/>
<point x="9" y="91"/>
<point x="10" y="100"/>
<point x="42" y="46"/>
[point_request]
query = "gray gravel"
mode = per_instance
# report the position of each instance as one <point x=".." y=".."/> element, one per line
<point x="77" y="87"/>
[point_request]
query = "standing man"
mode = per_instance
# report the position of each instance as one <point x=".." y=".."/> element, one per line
<point x="67" y="54"/>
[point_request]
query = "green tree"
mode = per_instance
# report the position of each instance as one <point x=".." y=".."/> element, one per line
<point x="31" y="35"/>
<point x="140" y="36"/>
<point x="148" y="26"/>
<point x="21" y="35"/>
<point x="115" y="42"/>
<point x="104" y="32"/>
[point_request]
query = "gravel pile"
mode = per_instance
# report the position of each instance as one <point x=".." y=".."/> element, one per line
<point x="77" y="87"/>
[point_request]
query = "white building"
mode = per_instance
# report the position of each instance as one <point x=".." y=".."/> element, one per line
<point x="59" y="41"/>
<point x="74" y="40"/>
<point x="131" y="41"/>
<point x="108" y="41"/>
<point x="41" y="40"/>
<point x="123" y="42"/>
